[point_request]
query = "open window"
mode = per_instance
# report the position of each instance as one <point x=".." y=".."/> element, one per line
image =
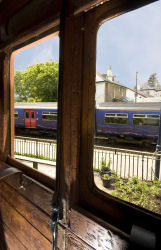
<point x="119" y="210"/>
<point x="34" y="75"/>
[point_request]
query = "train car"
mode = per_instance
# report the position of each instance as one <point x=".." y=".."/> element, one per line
<point x="36" y="116"/>
<point x="68" y="211"/>
<point x="129" y="121"/>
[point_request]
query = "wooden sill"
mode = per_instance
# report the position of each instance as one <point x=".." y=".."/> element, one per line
<point x="33" y="173"/>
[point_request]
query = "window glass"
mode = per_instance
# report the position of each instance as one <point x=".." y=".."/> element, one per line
<point x="51" y="116"/>
<point x="150" y="120"/>
<point x="126" y="160"/>
<point x="35" y="92"/>
<point x="16" y="114"/>
<point x="116" y="118"/>
<point x="27" y="115"/>
<point x="32" y="115"/>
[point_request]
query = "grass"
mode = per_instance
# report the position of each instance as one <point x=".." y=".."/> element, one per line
<point x="36" y="156"/>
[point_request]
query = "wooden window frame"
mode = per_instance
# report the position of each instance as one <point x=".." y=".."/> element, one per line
<point x="13" y="50"/>
<point x="118" y="213"/>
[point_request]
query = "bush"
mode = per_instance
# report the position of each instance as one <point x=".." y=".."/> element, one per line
<point x="105" y="167"/>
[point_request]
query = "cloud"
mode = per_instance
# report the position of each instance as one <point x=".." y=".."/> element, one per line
<point x="130" y="43"/>
<point x="41" y="52"/>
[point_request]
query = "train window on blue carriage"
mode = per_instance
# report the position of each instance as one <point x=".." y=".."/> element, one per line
<point x="36" y="70"/>
<point x="49" y="116"/>
<point x="33" y="115"/>
<point x="125" y="161"/>
<point x="146" y="120"/>
<point x="114" y="118"/>
<point x="27" y="115"/>
<point x="16" y="114"/>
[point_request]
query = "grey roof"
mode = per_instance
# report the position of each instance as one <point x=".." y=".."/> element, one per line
<point x="137" y="106"/>
<point x="36" y="105"/>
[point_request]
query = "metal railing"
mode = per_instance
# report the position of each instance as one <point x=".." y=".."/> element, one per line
<point x="33" y="147"/>
<point x="126" y="163"/>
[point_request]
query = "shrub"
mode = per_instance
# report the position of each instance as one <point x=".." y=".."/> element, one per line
<point x="105" y="167"/>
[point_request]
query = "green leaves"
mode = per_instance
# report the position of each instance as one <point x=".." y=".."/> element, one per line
<point x="140" y="192"/>
<point x="39" y="83"/>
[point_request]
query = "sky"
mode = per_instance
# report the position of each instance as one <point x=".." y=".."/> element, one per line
<point x="130" y="43"/>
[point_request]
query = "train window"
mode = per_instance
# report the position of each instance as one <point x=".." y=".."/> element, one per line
<point x="32" y="115"/>
<point x="146" y="120"/>
<point x="36" y="93"/>
<point x="49" y="116"/>
<point x="27" y="115"/>
<point x="111" y="118"/>
<point x="16" y="114"/>
<point x="125" y="161"/>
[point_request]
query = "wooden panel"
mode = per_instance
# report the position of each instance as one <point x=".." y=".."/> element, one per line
<point x="30" y="212"/>
<point x="39" y="195"/>
<point x="22" y="229"/>
<point x="60" y="237"/>
<point x="4" y="106"/>
<point x="12" y="241"/>
<point x="94" y="234"/>
<point x="75" y="243"/>
<point x="33" y="173"/>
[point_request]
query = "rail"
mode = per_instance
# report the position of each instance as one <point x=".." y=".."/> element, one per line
<point x="127" y="163"/>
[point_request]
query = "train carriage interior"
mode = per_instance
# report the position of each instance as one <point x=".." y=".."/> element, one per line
<point x="86" y="194"/>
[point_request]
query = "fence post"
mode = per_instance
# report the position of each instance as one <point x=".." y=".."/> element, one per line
<point x="157" y="167"/>
<point x="142" y="167"/>
<point x="158" y="149"/>
<point x="35" y="165"/>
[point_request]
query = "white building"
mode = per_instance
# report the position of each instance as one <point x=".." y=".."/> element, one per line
<point x="108" y="89"/>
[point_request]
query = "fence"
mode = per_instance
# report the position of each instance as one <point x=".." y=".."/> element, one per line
<point x="126" y="163"/>
<point x="36" y="148"/>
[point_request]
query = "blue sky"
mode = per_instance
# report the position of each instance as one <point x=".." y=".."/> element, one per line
<point x="41" y="52"/>
<point x="130" y="43"/>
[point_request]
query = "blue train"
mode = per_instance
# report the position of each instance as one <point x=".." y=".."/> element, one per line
<point x="35" y="117"/>
<point x="129" y="121"/>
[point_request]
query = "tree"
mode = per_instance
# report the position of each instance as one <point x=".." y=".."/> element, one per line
<point x="153" y="81"/>
<point x="38" y="83"/>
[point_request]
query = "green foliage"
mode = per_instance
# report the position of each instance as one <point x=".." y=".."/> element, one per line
<point x="115" y="176"/>
<point x="35" y="156"/>
<point x="95" y="169"/>
<point x="38" y="83"/>
<point x="106" y="176"/>
<point x="105" y="167"/>
<point x="139" y="192"/>
<point x="152" y="81"/>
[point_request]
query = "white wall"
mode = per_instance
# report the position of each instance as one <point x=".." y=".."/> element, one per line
<point x="100" y="92"/>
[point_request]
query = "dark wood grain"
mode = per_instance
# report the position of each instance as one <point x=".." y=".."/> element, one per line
<point x="11" y="241"/>
<point x="22" y="229"/>
<point x="94" y="234"/>
<point x="30" y="212"/>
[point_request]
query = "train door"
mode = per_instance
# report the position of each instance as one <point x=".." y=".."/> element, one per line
<point x="30" y="121"/>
